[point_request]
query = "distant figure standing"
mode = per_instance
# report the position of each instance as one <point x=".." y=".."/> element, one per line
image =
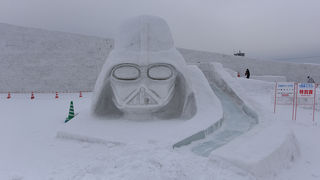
<point x="247" y="74"/>
<point x="310" y="79"/>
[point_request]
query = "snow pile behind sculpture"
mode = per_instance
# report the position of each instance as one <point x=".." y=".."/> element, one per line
<point x="144" y="76"/>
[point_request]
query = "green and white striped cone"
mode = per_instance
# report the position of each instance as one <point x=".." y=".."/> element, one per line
<point x="71" y="113"/>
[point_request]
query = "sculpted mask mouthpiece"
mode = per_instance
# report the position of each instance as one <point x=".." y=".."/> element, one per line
<point x="142" y="88"/>
<point x="142" y="98"/>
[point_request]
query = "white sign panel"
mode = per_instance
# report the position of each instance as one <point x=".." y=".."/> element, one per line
<point x="306" y="89"/>
<point x="285" y="89"/>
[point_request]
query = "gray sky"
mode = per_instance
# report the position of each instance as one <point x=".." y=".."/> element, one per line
<point x="261" y="28"/>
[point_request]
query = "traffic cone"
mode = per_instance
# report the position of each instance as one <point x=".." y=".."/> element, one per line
<point x="80" y="94"/>
<point x="71" y="113"/>
<point x="238" y="75"/>
<point x="57" y="96"/>
<point x="9" y="95"/>
<point x="32" y="95"/>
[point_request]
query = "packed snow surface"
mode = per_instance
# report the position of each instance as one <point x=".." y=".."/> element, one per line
<point x="30" y="149"/>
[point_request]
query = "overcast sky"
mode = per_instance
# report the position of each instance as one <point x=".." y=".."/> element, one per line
<point x="261" y="28"/>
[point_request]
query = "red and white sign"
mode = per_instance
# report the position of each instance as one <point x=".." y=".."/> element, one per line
<point x="306" y="89"/>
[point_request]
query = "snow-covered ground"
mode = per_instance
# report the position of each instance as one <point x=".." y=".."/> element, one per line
<point x="31" y="150"/>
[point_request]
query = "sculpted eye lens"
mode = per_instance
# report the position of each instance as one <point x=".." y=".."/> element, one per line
<point x="160" y="72"/>
<point x="126" y="72"/>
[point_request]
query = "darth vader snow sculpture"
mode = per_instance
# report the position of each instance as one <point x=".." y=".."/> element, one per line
<point x="144" y="77"/>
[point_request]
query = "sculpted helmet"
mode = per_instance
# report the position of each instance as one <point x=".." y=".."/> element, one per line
<point x="144" y="75"/>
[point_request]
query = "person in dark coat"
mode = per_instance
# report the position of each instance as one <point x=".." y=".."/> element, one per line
<point x="310" y="79"/>
<point x="247" y="74"/>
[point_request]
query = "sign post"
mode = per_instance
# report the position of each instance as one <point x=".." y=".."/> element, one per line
<point x="294" y="99"/>
<point x="275" y="98"/>
<point x="296" y="105"/>
<point x="314" y="102"/>
<point x="305" y="90"/>
<point x="316" y="89"/>
<point x="283" y="93"/>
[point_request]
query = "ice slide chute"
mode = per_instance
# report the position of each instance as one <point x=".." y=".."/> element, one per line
<point x="236" y="120"/>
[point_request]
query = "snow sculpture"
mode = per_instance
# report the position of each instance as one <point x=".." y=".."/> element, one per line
<point x="144" y="75"/>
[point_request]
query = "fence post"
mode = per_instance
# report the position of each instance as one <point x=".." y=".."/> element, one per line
<point x="275" y="98"/>
<point x="293" y="97"/>
<point x="295" y="112"/>
<point x="314" y="101"/>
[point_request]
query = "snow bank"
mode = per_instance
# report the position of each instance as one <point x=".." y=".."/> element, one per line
<point x="270" y="78"/>
<point x="65" y="135"/>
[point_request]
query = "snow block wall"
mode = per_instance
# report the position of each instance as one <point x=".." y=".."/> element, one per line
<point x="45" y="61"/>
<point x="292" y="71"/>
<point x="40" y="60"/>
